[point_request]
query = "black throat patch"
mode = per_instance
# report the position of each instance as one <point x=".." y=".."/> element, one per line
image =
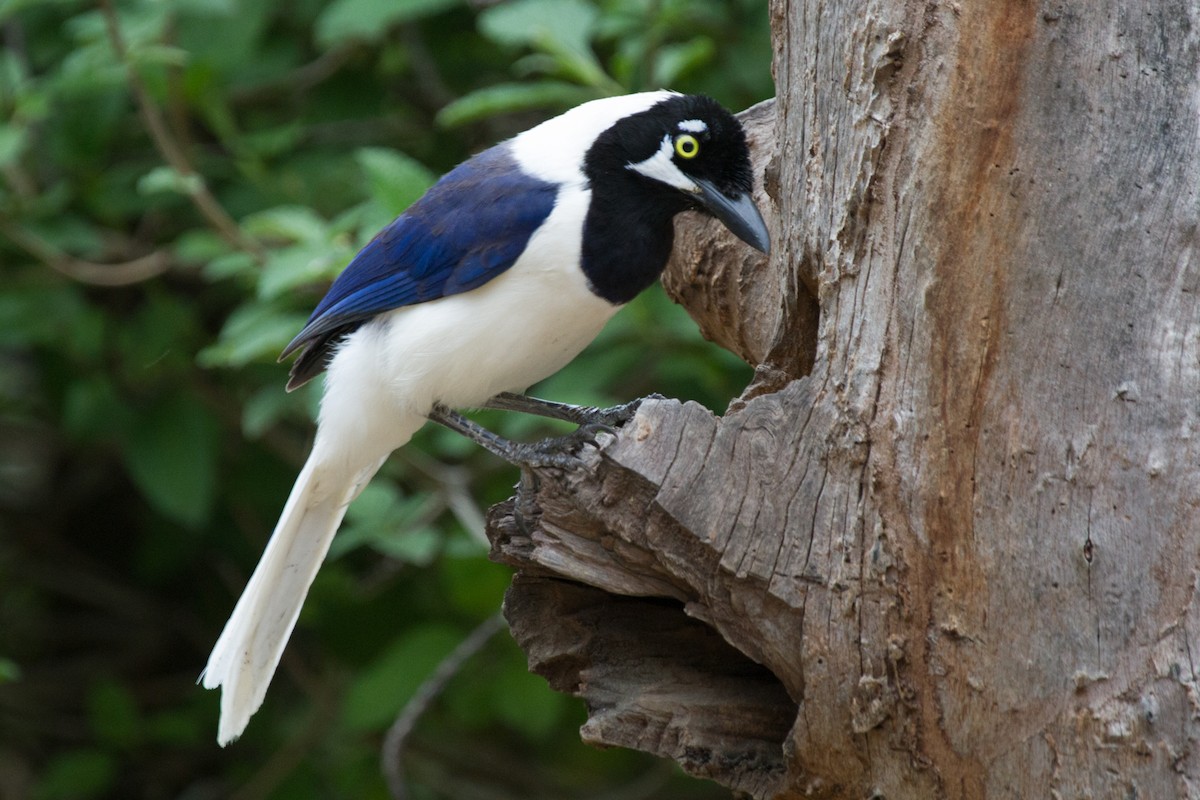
<point x="627" y="238"/>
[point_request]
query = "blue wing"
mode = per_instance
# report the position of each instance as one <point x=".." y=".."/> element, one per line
<point x="469" y="228"/>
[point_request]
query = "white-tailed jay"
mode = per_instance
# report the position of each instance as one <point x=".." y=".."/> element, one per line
<point x="501" y="274"/>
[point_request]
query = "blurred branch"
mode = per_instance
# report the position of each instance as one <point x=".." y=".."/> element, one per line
<point x="176" y="104"/>
<point x="14" y="42"/>
<point x="169" y="149"/>
<point x="429" y="78"/>
<point x="119" y="274"/>
<point x="396" y="740"/>
<point x="453" y="482"/>
<point x="297" y="81"/>
<point x="20" y="181"/>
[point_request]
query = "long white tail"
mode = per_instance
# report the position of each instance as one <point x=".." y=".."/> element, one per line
<point x="248" y="651"/>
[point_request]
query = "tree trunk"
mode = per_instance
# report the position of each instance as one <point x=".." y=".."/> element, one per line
<point x="946" y="544"/>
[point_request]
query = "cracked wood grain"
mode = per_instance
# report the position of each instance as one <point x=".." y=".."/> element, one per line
<point x="946" y="544"/>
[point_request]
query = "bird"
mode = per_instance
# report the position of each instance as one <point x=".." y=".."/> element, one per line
<point x="496" y="278"/>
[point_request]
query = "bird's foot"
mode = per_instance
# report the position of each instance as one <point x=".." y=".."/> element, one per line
<point x="612" y="417"/>
<point x="561" y="452"/>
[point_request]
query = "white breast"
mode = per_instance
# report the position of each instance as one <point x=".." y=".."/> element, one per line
<point x="515" y="330"/>
<point x="461" y="350"/>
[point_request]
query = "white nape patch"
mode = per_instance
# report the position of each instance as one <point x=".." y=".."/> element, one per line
<point x="693" y="126"/>
<point x="554" y="150"/>
<point x="661" y="167"/>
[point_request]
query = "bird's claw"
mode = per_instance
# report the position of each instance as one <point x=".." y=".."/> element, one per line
<point x="616" y="416"/>
<point x="588" y="432"/>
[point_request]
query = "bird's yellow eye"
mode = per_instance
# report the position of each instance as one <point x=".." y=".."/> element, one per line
<point x="686" y="146"/>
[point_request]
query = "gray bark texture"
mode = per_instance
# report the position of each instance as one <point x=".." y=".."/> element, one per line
<point x="946" y="544"/>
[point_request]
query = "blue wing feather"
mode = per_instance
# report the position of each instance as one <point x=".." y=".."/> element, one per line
<point x="469" y="228"/>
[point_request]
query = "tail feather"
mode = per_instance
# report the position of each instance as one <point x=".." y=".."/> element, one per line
<point x="248" y="651"/>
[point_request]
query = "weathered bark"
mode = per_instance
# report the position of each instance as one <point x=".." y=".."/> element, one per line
<point x="947" y="544"/>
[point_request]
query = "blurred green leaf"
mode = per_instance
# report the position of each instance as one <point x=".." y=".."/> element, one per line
<point x="158" y="55"/>
<point x="231" y="265"/>
<point x="391" y="524"/>
<point x="533" y="22"/>
<point x="580" y="65"/>
<point x="380" y="690"/>
<point x="87" y="69"/>
<point x="156" y="339"/>
<point x="171" y="454"/>
<point x="288" y="224"/>
<point x="561" y="28"/>
<point x="9" y="8"/>
<point x="370" y="19"/>
<point x="12" y="142"/>
<point x="525" y="702"/>
<point x="274" y="141"/>
<point x="266" y="407"/>
<point x="201" y="247"/>
<point x="10" y="671"/>
<point x="166" y="179"/>
<point x="252" y="333"/>
<point x="507" y="98"/>
<point x="291" y="267"/>
<point x="474" y="585"/>
<point x="178" y="728"/>
<point x="113" y="715"/>
<point x="677" y="60"/>
<point x="77" y="775"/>
<point x="37" y="313"/>
<point x="206" y="8"/>
<point x="93" y="409"/>
<point x="396" y="180"/>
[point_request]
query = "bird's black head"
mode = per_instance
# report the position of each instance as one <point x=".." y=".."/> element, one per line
<point x="684" y="152"/>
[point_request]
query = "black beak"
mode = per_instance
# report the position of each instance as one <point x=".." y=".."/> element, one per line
<point x="737" y="212"/>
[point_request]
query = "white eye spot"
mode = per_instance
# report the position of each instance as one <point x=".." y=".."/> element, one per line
<point x="693" y="126"/>
<point x="661" y="167"/>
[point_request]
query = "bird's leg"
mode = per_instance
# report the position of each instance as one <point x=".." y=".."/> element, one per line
<point x="555" y="452"/>
<point x="602" y="418"/>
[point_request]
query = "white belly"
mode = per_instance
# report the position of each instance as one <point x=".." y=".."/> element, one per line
<point x="504" y="336"/>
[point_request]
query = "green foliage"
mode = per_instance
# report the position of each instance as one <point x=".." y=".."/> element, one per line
<point x="172" y="204"/>
<point x="370" y="20"/>
<point x="77" y="775"/>
<point x="171" y="454"/>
